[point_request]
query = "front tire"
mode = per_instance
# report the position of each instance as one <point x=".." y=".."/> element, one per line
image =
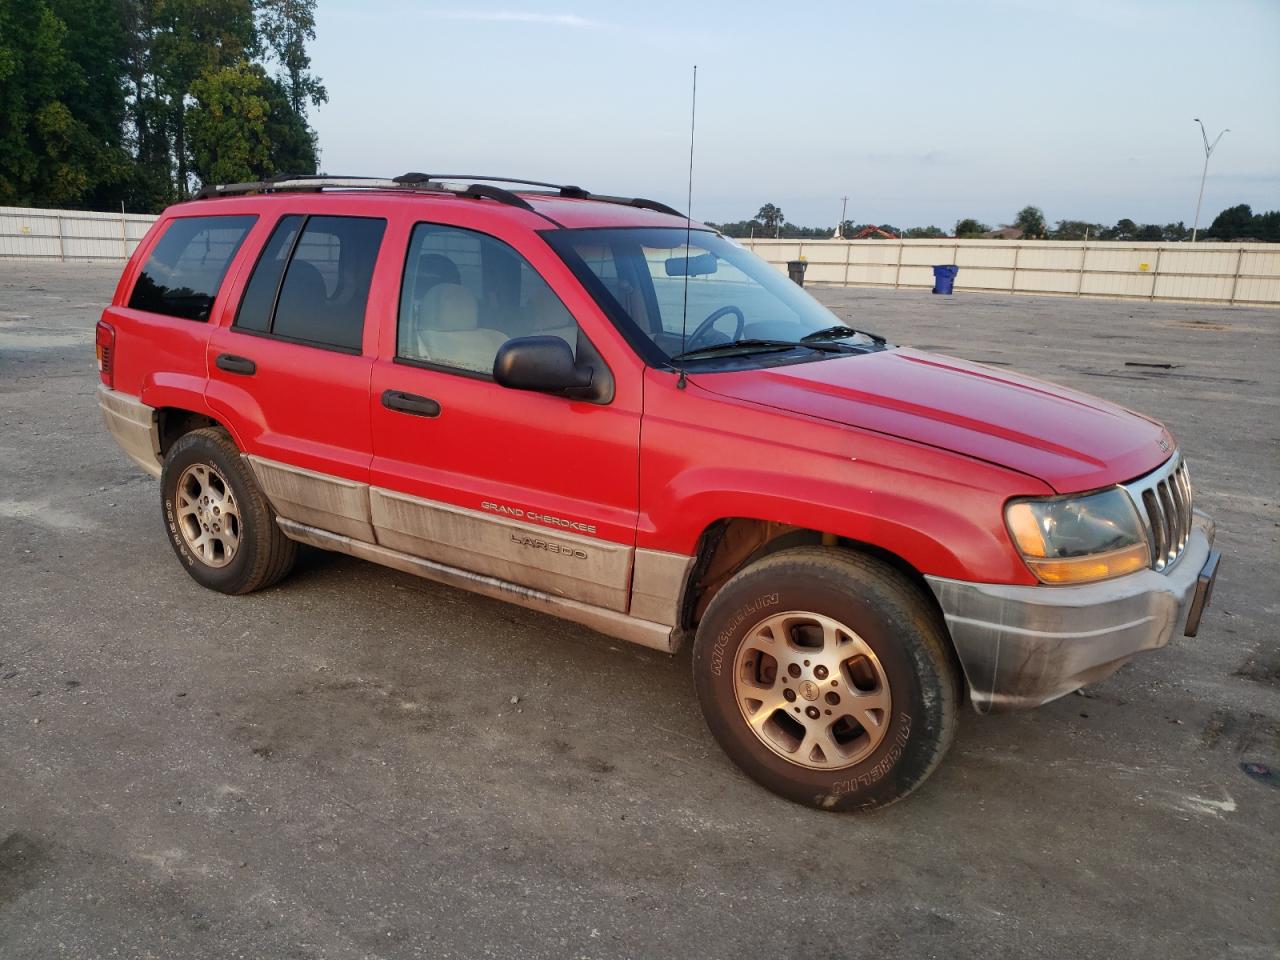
<point x="826" y="676"/>
<point x="219" y="523"/>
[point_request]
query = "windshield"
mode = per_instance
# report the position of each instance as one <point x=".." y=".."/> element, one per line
<point x="686" y="298"/>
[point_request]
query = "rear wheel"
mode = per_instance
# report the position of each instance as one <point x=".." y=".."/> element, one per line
<point x="219" y="523"/>
<point x="825" y="675"/>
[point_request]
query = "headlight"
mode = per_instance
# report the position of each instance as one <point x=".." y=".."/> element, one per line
<point x="1079" y="539"/>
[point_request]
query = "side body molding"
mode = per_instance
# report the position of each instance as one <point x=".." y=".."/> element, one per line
<point x="567" y="565"/>
<point x="631" y="594"/>
<point x="316" y="499"/>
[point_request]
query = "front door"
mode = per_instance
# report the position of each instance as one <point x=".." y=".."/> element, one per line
<point x="528" y="488"/>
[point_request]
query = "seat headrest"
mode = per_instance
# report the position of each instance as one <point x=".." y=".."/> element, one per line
<point x="545" y="310"/>
<point x="448" y="308"/>
<point x="436" y="268"/>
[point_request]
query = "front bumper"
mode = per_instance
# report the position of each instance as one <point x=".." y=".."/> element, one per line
<point x="1024" y="646"/>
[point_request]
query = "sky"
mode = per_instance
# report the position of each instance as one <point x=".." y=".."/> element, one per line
<point x="919" y="112"/>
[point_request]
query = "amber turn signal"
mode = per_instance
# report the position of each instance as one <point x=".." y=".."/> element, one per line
<point x="1099" y="566"/>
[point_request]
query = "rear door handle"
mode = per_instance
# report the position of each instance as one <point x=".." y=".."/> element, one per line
<point x="410" y="403"/>
<point x="233" y="364"/>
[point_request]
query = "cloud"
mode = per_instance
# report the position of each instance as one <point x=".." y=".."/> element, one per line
<point x="516" y="16"/>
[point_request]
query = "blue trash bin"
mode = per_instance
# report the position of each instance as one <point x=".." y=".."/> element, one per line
<point x="944" y="278"/>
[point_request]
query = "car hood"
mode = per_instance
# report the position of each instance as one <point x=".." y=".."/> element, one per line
<point x="1069" y="440"/>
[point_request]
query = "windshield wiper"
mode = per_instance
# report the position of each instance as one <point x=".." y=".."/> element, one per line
<point x="840" y="332"/>
<point x="752" y="345"/>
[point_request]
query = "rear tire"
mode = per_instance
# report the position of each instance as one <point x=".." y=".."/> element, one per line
<point x="827" y="677"/>
<point x="219" y="523"/>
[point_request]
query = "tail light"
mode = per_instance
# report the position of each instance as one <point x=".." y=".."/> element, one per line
<point x="105" y="347"/>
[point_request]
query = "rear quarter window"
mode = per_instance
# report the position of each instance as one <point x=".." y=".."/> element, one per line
<point x="184" y="271"/>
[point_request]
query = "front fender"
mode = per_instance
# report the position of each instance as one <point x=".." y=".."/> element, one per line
<point x="705" y="459"/>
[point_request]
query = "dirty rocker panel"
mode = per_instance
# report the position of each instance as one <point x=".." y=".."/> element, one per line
<point x="593" y="571"/>
<point x="610" y="622"/>
<point x="595" y="574"/>
<point x="657" y="585"/>
<point x="317" y="499"/>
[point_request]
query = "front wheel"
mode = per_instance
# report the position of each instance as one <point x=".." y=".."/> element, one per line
<point x="219" y="523"/>
<point x="826" y="676"/>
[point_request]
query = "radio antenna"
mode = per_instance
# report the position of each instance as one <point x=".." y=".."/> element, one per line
<point x="688" y="224"/>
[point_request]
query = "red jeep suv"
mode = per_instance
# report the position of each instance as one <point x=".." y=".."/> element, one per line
<point x="593" y="407"/>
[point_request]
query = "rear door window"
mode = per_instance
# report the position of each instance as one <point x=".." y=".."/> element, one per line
<point x="185" y="269"/>
<point x="259" y="298"/>
<point x="311" y="284"/>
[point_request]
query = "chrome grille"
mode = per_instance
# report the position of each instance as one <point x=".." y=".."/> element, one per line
<point x="1163" y="498"/>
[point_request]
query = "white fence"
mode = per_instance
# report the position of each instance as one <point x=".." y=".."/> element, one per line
<point x="1220" y="273"/>
<point x="31" y="234"/>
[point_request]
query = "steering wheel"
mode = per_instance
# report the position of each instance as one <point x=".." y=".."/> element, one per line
<point x="708" y="324"/>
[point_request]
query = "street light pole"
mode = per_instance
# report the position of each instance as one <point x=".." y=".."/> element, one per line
<point x="844" y="203"/>
<point x="1208" y="152"/>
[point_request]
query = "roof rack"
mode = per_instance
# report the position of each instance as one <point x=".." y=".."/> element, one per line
<point x="477" y="187"/>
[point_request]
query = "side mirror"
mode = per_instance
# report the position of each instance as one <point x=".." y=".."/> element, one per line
<point x="541" y="364"/>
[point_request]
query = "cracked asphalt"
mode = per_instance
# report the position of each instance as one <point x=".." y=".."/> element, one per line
<point x="336" y="768"/>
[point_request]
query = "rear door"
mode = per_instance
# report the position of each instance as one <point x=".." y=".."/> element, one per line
<point x="290" y="372"/>
<point x="164" y="325"/>
<point x="533" y="489"/>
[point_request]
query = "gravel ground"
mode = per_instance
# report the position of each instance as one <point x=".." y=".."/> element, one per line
<point x="335" y="767"/>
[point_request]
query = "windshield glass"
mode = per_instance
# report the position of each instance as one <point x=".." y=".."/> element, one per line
<point x="685" y="298"/>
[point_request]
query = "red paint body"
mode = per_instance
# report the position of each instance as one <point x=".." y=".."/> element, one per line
<point x="913" y="453"/>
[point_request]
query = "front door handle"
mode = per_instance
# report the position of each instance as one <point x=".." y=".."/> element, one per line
<point x="410" y="403"/>
<point x="233" y="364"/>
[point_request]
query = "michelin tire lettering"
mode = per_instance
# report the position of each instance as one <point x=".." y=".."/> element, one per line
<point x="722" y="641"/>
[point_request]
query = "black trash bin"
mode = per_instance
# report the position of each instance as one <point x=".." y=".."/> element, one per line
<point x="795" y="270"/>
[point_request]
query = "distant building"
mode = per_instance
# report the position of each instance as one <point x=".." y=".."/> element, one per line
<point x="1004" y="233"/>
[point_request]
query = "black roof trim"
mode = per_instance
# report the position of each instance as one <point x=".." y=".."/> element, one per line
<point x="479" y="190"/>
<point x="477" y="186"/>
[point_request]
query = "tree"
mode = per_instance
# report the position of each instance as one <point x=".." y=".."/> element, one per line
<point x="740" y="228"/>
<point x="1266" y="226"/>
<point x="1125" y="229"/>
<point x="970" y="228"/>
<point x="286" y="26"/>
<point x="60" y="104"/>
<point x="770" y="217"/>
<point x="95" y="96"/>
<point x="194" y="38"/>
<point x="150" y="185"/>
<point x="1175" y="232"/>
<point x="924" y="233"/>
<point x="228" y="124"/>
<point x="95" y="44"/>
<point x="293" y="143"/>
<point x="1232" y="223"/>
<point x="242" y="127"/>
<point x="1030" y="220"/>
<point x="1077" y="230"/>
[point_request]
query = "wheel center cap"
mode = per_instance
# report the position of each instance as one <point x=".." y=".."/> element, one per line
<point x="809" y="690"/>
